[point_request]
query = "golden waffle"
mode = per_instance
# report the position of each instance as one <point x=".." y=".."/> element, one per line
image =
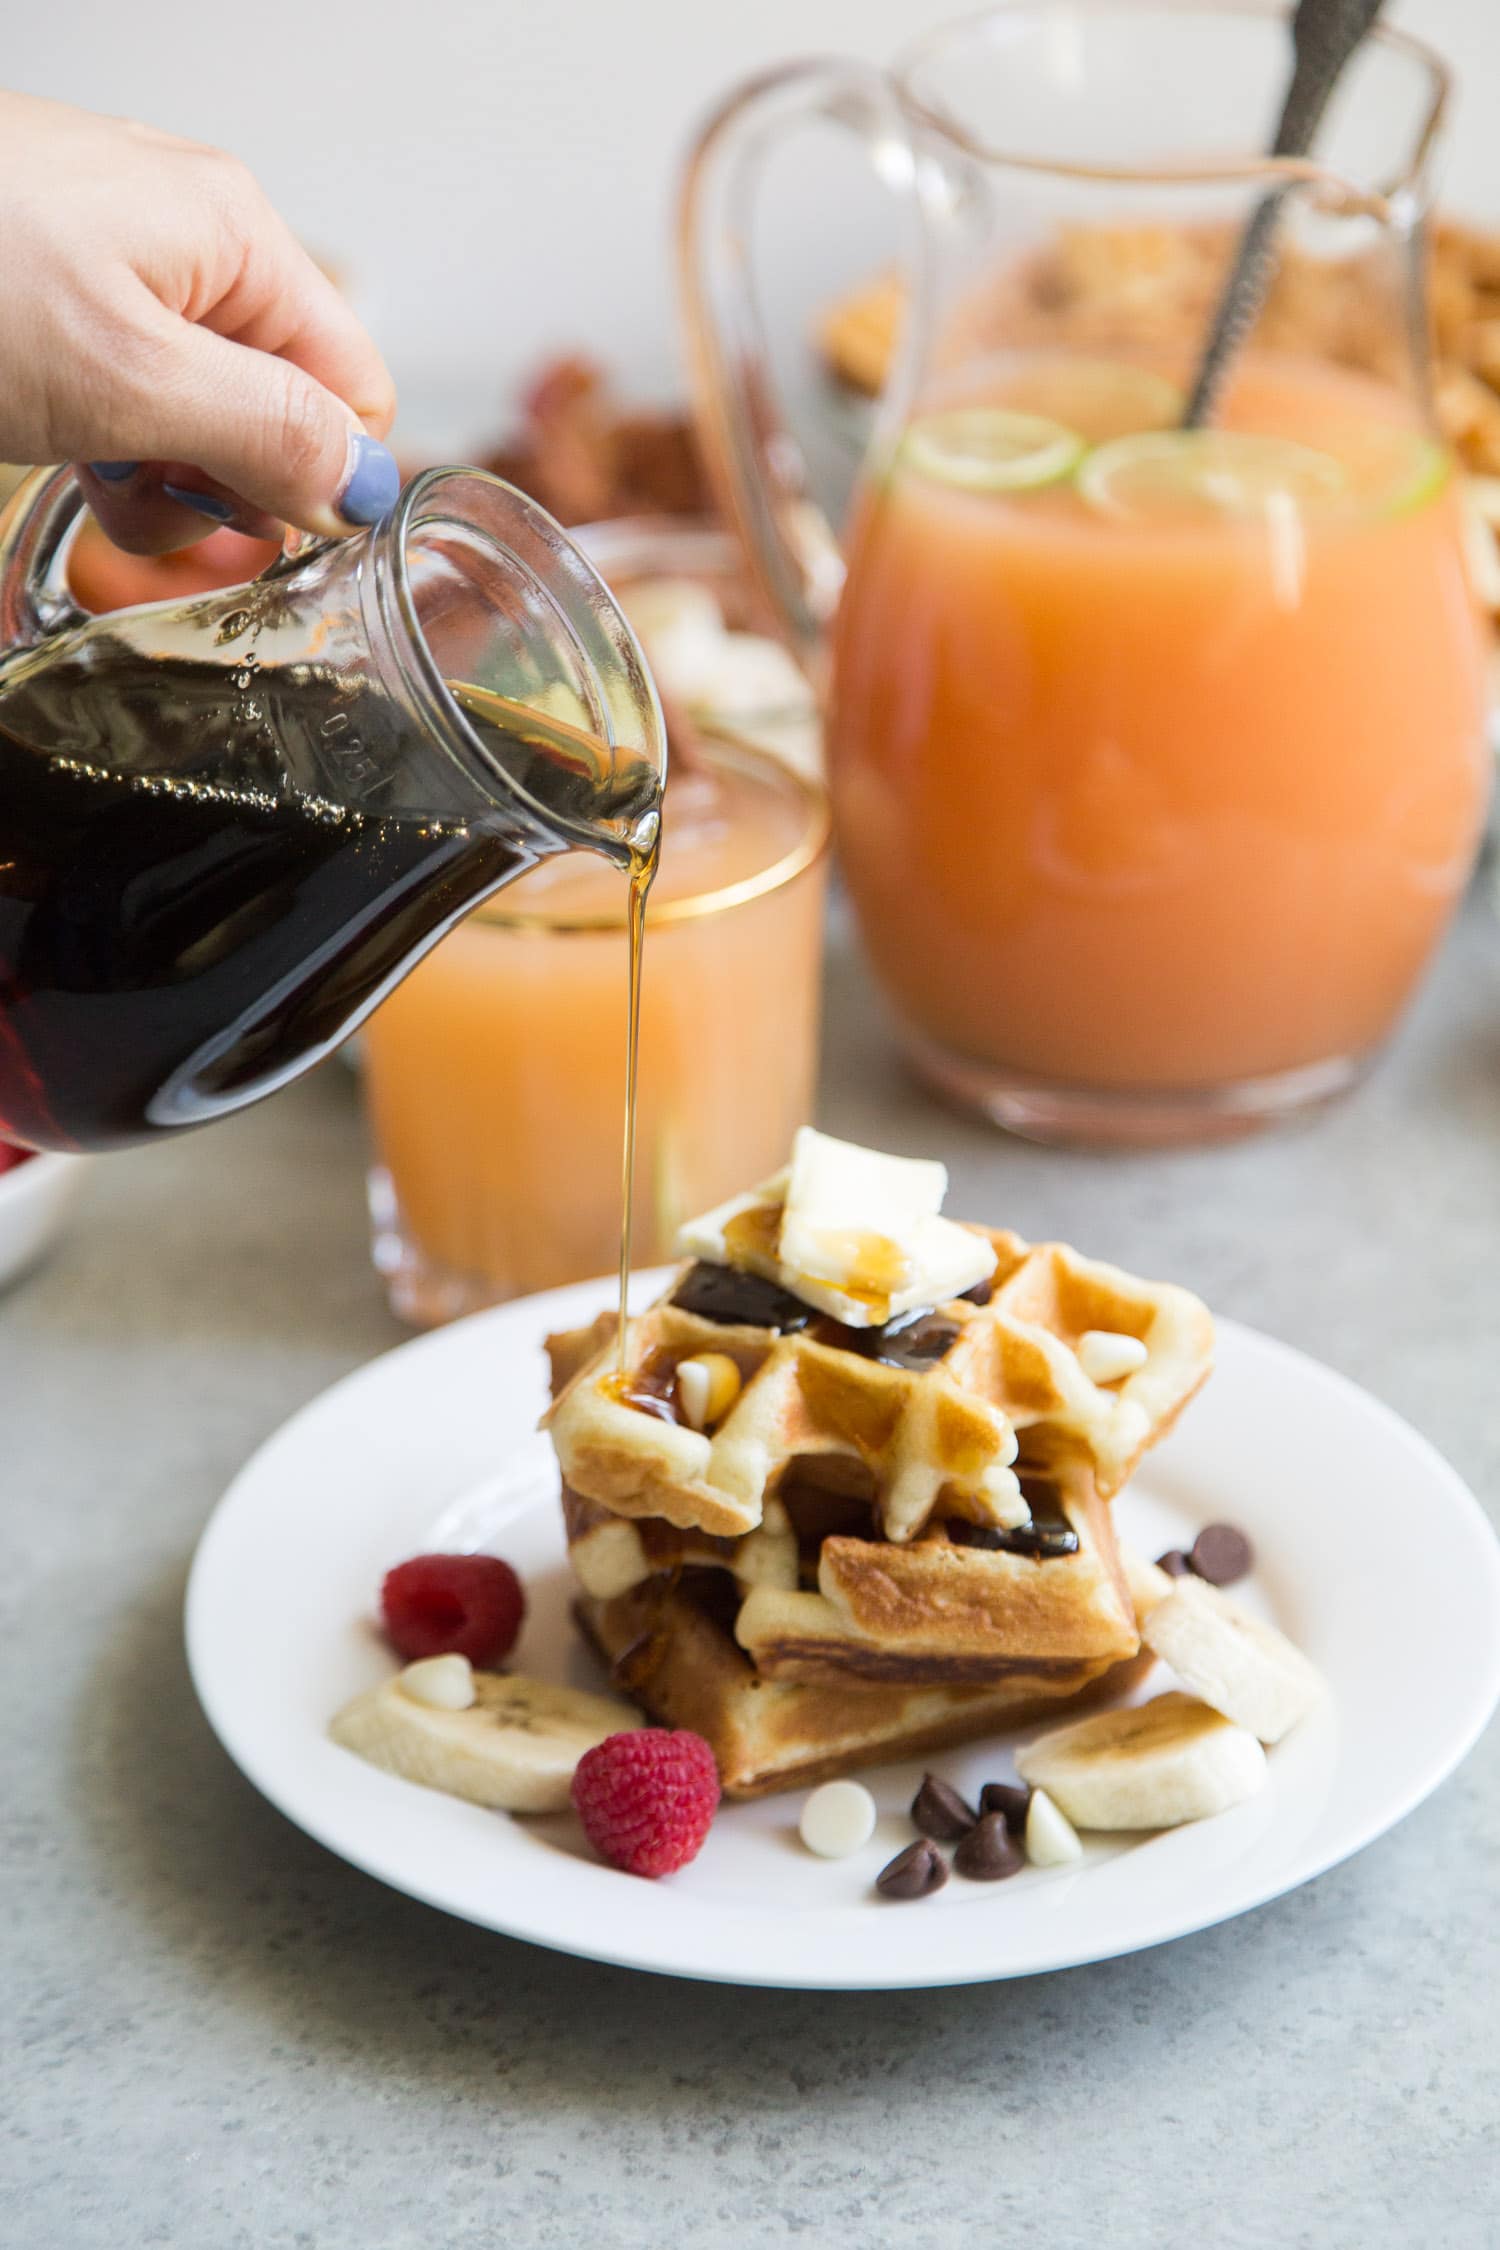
<point x="935" y="1441"/>
<point x="939" y="1611"/>
<point x="610" y="1553"/>
<point x="671" y="1650"/>
<point x="835" y="1603"/>
<point x="569" y="1350"/>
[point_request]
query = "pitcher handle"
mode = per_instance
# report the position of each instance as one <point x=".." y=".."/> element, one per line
<point x="752" y="458"/>
<point x="36" y="528"/>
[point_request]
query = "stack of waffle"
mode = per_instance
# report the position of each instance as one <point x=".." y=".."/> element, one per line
<point x="820" y="1544"/>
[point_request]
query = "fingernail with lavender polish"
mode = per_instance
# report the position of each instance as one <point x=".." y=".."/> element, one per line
<point x="114" y="472"/>
<point x="373" y="485"/>
<point x="202" y="503"/>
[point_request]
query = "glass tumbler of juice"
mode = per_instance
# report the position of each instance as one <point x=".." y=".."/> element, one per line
<point x="495" y="1076"/>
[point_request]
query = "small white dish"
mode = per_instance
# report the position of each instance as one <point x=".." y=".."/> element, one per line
<point x="1371" y="1553"/>
<point x="35" y="1199"/>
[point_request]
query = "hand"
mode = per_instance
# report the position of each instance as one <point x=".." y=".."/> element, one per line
<point x="162" y="323"/>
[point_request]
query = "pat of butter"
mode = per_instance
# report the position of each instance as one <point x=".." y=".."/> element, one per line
<point x="867" y="1227"/>
<point x="853" y="1217"/>
<point x="751" y="1244"/>
<point x="851" y="1232"/>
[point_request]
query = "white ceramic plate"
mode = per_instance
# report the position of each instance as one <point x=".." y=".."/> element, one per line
<point x="1356" y="1521"/>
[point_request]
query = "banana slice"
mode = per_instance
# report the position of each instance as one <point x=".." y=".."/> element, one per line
<point x="1149" y="1584"/>
<point x="1242" y="1667"/>
<point x="514" y="1748"/>
<point x="1153" y="1766"/>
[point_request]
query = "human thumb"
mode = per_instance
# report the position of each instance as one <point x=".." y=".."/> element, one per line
<point x="262" y="431"/>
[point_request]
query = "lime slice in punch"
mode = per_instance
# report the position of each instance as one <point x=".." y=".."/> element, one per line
<point x="1209" y="473"/>
<point x="992" y="449"/>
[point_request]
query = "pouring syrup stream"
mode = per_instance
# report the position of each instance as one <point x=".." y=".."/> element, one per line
<point x="645" y="851"/>
<point x="568" y="750"/>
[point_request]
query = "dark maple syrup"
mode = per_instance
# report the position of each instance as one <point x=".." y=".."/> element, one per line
<point x="644" y="855"/>
<point x="183" y="929"/>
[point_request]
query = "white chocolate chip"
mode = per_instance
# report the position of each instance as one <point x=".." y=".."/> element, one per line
<point x="1105" y="1355"/>
<point x="1051" y="1838"/>
<point x="443" y="1683"/>
<point x="609" y="1558"/>
<point x="707" y="1386"/>
<point x="837" y="1819"/>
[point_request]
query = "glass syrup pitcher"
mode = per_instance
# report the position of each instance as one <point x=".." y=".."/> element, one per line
<point x="229" y="825"/>
<point x="1157" y="753"/>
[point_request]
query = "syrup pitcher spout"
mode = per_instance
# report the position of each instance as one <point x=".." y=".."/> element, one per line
<point x="232" y="823"/>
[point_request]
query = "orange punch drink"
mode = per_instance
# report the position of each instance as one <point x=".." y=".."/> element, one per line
<point x="1158" y="757"/>
<point x="495" y="1075"/>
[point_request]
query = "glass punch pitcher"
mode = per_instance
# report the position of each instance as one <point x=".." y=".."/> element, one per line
<point x="228" y="825"/>
<point x="1156" y="736"/>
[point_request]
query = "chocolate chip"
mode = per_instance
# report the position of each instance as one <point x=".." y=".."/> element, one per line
<point x="914" y="1341"/>
<point x="989" y="1852"/>
<point x="1043" y="1542"/>
<point x="1046" y="1540"/>
<point x="739" y="1299"/>
<point x="1174" y="1562"/>
<point x="940" y="1812"/>
<point x="986" y="1535"/>
<point x="981" y="1292"/>
<point x="1221" y="1554"/>
<point x="913" y="1873"/>
<point x="1010" y="1798"/>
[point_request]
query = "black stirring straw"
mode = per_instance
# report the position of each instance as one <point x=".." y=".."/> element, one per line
<point x="1325" y="34"/>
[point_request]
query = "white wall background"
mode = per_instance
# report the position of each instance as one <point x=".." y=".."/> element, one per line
<point x="496" y="175"/>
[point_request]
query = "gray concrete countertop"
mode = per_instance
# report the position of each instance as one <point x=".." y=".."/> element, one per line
<point x="218" y="2037"/>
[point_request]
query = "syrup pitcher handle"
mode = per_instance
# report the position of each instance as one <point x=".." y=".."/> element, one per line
<point x="36" y="526"/>
<point x="752" y="458"/>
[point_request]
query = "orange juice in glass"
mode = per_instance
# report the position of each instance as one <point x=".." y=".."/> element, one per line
<point x="495" y="1075"/>
<point x="1158" y="757"/>
<point x="1156" y="753"/>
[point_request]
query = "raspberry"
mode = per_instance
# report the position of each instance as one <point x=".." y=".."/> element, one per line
<point x="10" y="1156"/>
<point x="646" y="1798"/>
<point x="453" y="1605"/>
